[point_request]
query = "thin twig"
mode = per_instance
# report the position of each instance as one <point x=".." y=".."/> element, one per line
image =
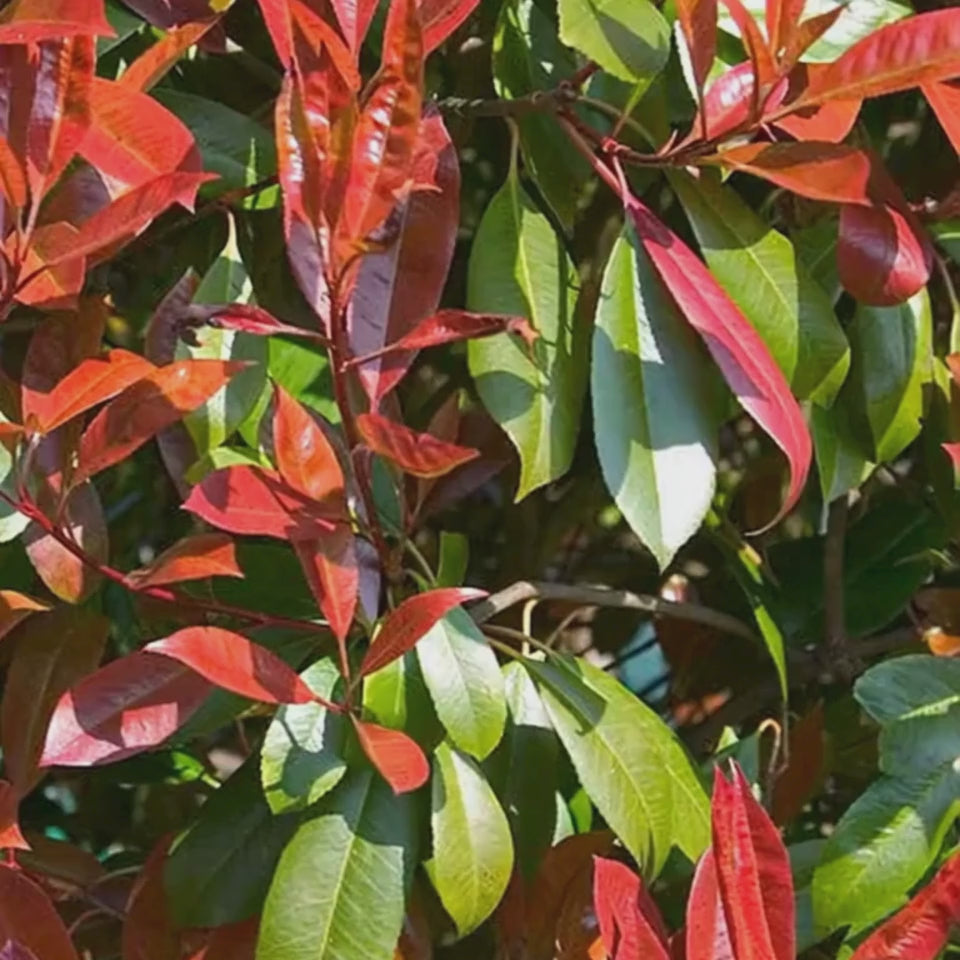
<point x="834" y="614"/>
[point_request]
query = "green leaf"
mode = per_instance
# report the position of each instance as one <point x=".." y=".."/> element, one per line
<point x="238" y="149"/>
<point x="530" y="758"/>
<point x="527" y="57"/>
<point x="882" y="846"/>
<point x="219" y="871"/>
<point x="465" y="683"/>
<point x="653" y="429"/>
<point x="226" y="281"/>
<point x="804" y="857"/>
<point x="340" y="887"/>
<point x="630" y="763"/>
<point x="396" y="696"/>
<point x="518" y="266"/>
<point x="472" y="849"/>
<point x="628" y="38"/>
<point x="841" y="463"/>
<point x="891" y="363"/>
<point x="760" y="270"/>
<point x="302" y="755"/>
<point x="125" y="24"/>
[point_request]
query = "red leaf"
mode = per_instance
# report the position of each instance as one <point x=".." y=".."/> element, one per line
<point x="32" y="21"/>
<point x="152" y="65"/>
<point x="146" y="408"/>
<point x="244" y="319"/>
<point x="736" y="347"/>
<point x="698" y="19"/>
<point x="782" y="17"/>
<point x="440" y="18"/>
<point x="627" y="932"/>
<point x="28" y="917"/>
<point x="305" y="458"/>
<point x="235" y="663"/>
<point x="126" y="707"/>
<point x="753" y="873"/>
<point x="51" y="287"/>
<point x="883" y="255"/>
<point x="952" y="450"/>
<point x="921" y="929"/>
<point x="193" y="558"/>
<point x="706" y="935"/>
<point x="386" y="131"/>
<point x="13" y="181"/>
<point x="15" y="608"/>
<point x="404" y="626"/>
<point x="170" y="13"/>
<point x="330" y="567"/>
<point x="830" y="121"/>
<point x="92" y="382"/>
<point x="397" y="758"/>
<point x="14" y="950"/>
<point x="798" y="40"/>
<point x="276" y="17"/>
<point x="354" y="18"/>
<point x="255" y="501"/>
<point x="803" y="774"/>
<point x="921" y="49"/>
<point x="10" y="836"/>
<point x="402" y="285"/>
<point x="944" y="98"/>
<point x="148" y="932"/>
<point x="753" y="40"/>
<point x="416" y="453"/>
<point x="53" y="652"/>
<point x="833" y="172"/>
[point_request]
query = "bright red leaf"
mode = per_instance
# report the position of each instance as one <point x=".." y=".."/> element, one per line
<point x="415" y="453"/>
<point x="944" y="98"/>
<point x="440" y="18"/>
<point x="251" y="500"/>
<point x="830" y="121"/>
<point x="354" y="17"/>
<point x="804" y="35"/>
<point x="754" y="41"/>
<point x="244" y="319"/>
<point x="33" y="21"/>
<point x="10" y="836"/>
<point x="782" y="19"/>
<point x="397" y="758"/>
<point x="627" y="929"/>
<point x="736" y="347"/>
<point x="404" y="626"/>
<point x="149" y="406"/>
<point x="235" y="663"/>
<point x="126" y="707"/>
<point x="706" y="935"/>
<point x="29" y="918"/>
<point x="698" y="19"/>
<point x="330" y="567"/>
<point x="51" y="287"/>
<point x="152" y="65"/>
<point x="13" y="180"/>
<point x="193" y="558"/>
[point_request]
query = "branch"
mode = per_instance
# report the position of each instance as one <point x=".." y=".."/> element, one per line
<point x="584" y="596"/>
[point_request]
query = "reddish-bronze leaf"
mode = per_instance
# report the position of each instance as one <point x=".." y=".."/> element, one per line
<point x="698" y="20"/>
<point x="883" y="255"/>
<point x="251" y="500"/>
<point x="29" y="918"/>
<point x="833" y="172"/>
<point x="151" y="66"/>
<point x="235" y="663"/>
<point x="397" y="758"/>
<point x="305" y="458"/>
<point x="244" y="319"/>
<point x="830" y="121"/>
<point x="276" y="17"/>
<point x="753" y="873"/>
<point x="415" y="453"/>
<point x="804" y="35"/>
<point x="354" y="18"/>
<point x="148" y="932"/>
<point x="32" y="21"/>
<point x="193" y="558"/>
<point x="440" y="18"/>
<point x="126" y="707"/>
<point x="737" y="349"/>
<point x="706" y="934"/>
<point x="400" y="286"/>
<point x="803" y="775"/>
<point x="330" y="567"/>
<point x="783" y="18"/>
<point x="11" y="837"/>
<point x="45" y="283"/>
<point x="16" y="607"/>
<point x="404" y="626"/>
<point x="754" y="41"/>
<point x="91" y="383"/>
<point x="944" y="98"/>
<point x="150" y="405"/>
<point x="13" y="180"/>
<point x="921" y="929"/>
<point x="625" y="927"/>
<point x="729" y="101"/>
<point x="53" y="652"/>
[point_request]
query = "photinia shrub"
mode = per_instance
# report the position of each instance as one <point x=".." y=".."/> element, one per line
<point x="408" y="413"/>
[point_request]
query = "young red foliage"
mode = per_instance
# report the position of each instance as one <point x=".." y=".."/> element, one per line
<point x="397" y="758"/>
<point x="33" y="21"/>
<point x="13" y="180"/>
<point x="244" y="319"/>
<point x="16" y="607"/>
<point x="829" y="122"/>
<point x="149" y="406"/>
<point x="945" y="100"/>
<point x="440" y="18"/>
<point x="727" y="103"/>
<point x="251" y="500"/>
<point x="763" y="66"/>
<point x="921" y="929"/>
<point x="152" y="65"/>
<point x="803" y="35"/>
<point x="193" y="558"/>
<point x="14" y="950"/>
<point x="706" y="936"/>
<point x="126" y="707"/>
<point x="235" y="663"/>
<point x="329" y="565"/>
<point x="630" y="924"/>
<point x="28" y="917"/>
<point x="782" y="19"/>
<point x="698" y="19"/>
<point x="952" y="450"/>
<point x="415" y="453"/>
<point x="404" y="626"/>
<point x="11" y="838"/>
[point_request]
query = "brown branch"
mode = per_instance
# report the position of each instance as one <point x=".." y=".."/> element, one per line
<point x="839" y="658"/>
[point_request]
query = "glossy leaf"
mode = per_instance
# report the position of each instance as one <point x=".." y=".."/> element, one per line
<point x="28" y="917"/>
<point x="659" y="469"/>
<point x="397" y="758"/>
<point x="945" y="100"/>
<point x="11" y="837"/>
<point x="193" y="558"/>
<point x="149" y="406"/>
<point x="152" y="65"/>
<point x="32" y="21"/>
<point x="625" y="930"/>
<point x="245" y="318"/>
<point x="405" y="625"/>
<point x="13" y="181"/>
<point x="441" y="18"/>
<point x="698" y="20"/>
<point x="15" y="608"/>
<point x="417" y="453"/>
<point x="331" y="568"/>
<point x="302" y="755"/>
<point x="235" y="663"/>
<point x="518" y="267"/>
<point x="767" y="279"/>
<point x="465" y="683"/>
<point x="782" y="19"/>
<point x="706" y="936"/>
<point x="54" y="651"/>
<point x="128" y="706"/>
<point x="340" y="886"/>
<point x="735" y="346"/>
<point x="473" y="853"/>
